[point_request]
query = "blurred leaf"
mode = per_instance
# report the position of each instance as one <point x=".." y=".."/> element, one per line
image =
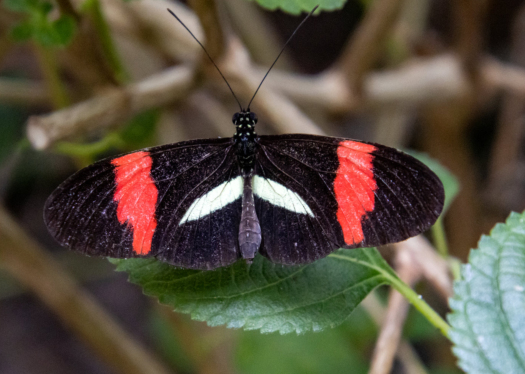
<point x="330" y="351"/>
<point x="22" y="32"/>
<point x="21" y="5"/>
<point x="45" y="7"/>
<point x="140" y="130"/>
<point x="488" y="307"/>
<point x="298" y="6"/>
<point x="65" y="28"/>
<point x="418" y="328"/>
<point x="450" y="182"/>
<point x="444" y="370"/>
<point x="326" y="352"/>
<point x="11" y="129"/>
<point x="263" y="295"/>
<point x="56" y="33"/>
<point x="169" y="345"/>
<point x="47" y="33"/>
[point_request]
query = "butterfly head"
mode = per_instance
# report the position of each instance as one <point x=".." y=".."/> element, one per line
<point x="244" y="119"/>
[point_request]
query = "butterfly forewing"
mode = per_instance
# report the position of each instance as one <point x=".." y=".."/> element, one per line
<point x="133" y="205"/>
<point x="361" y="195"/>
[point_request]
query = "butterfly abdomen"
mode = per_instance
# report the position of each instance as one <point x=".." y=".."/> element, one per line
<point x="249" y="227"/>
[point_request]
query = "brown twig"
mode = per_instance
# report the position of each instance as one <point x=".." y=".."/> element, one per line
<point x="209" y="18"/>
<point x="161" y="29"/>
<point x="363" y="49"/>
<point x="388" y="341"/>
<point x="265" y="44"/>
<point x="503" y="77"/>
<point x="469" y="17"/>
<point x="416" y="82"/>
<point x="405" y="353"/>
<point x="215" y="114"/>
<point x="109" y="108"/>
<point x="30" y="265"/>
<point x="26" y="92"/>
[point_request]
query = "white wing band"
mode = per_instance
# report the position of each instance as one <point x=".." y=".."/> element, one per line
<point x="222" y="195"/>
<point x="277" y="194"/>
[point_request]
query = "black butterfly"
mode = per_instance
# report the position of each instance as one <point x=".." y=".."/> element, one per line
<point x="203" y="204"/>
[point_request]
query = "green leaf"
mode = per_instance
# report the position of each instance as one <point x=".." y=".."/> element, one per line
<point x="65" y="28"/>
<point x="298" y="6"/>
<point x="327" y="352"/>
<point x="140" y="129"/>
<point x="11" y="130"/>
<point x="22" y="32"/>
<point x="266" y="296"/>
<point x="488" y="307"/>
<point x="56" y="33"/>
<point x="450" y="182"/>
<point x="45" y="7"/>
<point x="21" y="5"/>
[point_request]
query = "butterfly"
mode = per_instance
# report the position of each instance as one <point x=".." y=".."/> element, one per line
<point x="206" y="203"/>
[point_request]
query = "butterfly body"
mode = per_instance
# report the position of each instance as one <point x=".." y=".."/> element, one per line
<point x="206" y="203"/>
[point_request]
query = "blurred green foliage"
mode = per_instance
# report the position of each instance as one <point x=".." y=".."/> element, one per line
<point x="37" y="24"/>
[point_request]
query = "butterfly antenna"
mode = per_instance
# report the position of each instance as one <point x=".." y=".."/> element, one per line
<point x="207" y="54"/>
<point x="280" y="53"/>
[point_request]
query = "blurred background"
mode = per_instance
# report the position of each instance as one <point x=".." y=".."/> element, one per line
<point x="83" y="80"/>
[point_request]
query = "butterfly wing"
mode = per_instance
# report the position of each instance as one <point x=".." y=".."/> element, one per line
<point x="338" y="193"/>
<point x="154" y="202"/>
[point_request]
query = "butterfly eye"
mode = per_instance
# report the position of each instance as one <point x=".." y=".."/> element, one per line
<point x="235" y="118"/>
<point x="253" y="117"/>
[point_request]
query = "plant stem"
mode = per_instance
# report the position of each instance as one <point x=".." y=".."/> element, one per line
<point x="90" y="149"/>
<point x="50" y="71"/>
<point x="440" y="239"/>
<point x="416" y="300"/>
<point x="93" y="8"/>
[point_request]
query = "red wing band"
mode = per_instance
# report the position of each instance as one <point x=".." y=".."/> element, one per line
<point x="354" y="188"/>
<point x="136" y="197"/>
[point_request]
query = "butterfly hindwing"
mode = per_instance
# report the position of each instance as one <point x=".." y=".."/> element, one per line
<point x="361" y="195"/>
<point x="133" y="205"/>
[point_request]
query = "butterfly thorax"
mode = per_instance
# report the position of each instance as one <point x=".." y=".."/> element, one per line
<point x="244" y="138"/>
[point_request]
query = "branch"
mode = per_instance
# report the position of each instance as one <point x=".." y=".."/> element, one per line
<point x="501" y="76"/>
<point x="162" y="30"/>
<point x="418" y="81"/>
<point x="209" y="18"/>
<point x="389" y="338"/>
<point x="361" y="52"/>
<point x="26" y="92"/>
<point x="109" y="108"/>
<point x="35" y="269"/>
<point x="405" y="353"/>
